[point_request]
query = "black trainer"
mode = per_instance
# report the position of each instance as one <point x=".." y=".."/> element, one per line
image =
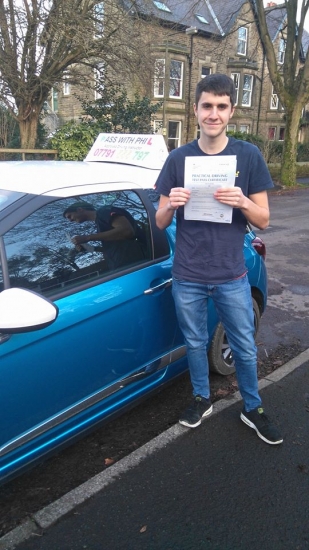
<point x="193" y="415"/>
<point x="263" y="426"/>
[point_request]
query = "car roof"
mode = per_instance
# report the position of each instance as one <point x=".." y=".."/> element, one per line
<point x="64" y="178"/>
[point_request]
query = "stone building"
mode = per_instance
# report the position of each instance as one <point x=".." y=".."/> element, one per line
<point x="189" y="40"/>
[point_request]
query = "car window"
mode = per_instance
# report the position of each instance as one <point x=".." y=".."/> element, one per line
<point x="8" y="197"/>
<point x="42" y="253"/>
<point x="1" y="277"/>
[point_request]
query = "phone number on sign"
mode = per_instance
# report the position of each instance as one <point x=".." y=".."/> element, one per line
<point x="124" y="154"/>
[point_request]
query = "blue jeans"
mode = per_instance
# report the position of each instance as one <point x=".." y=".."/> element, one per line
<point x="233" y="304"/>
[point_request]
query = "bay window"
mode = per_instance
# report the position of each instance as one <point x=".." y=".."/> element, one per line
<point x="247" y="90"/>
<point x="175" y="78"/>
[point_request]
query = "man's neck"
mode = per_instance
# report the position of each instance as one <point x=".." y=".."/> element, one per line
<point x="213" y="146"/>
<point x="92" y="215"/>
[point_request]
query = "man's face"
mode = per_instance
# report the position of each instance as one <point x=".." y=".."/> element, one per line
<point x="213" y="113"/>
<point x="77" y="215"/>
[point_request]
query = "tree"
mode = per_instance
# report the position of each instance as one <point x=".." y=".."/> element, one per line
<point x="44" y="42"/>
<point x="112" y="112"/>
<point x="7" y="127"/>
<point x="291" y="78"/>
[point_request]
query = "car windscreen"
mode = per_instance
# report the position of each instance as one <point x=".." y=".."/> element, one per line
<point x="8" y="197"/>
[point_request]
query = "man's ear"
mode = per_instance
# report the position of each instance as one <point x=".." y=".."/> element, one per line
<point x="195" y="109"/>
<point x="232" y="111"/>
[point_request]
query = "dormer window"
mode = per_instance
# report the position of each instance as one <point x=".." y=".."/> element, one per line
<point x="161" y="6"/>
<point x="242" y="41"/>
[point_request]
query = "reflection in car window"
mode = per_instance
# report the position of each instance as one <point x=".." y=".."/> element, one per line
<point x="43" y="254"/>
<point x="154" y="197"/>
<point x="8" y="197"/>
<point x="1" y="277"/>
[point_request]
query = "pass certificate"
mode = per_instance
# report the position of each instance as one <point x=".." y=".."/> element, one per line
<point x="203" y="175"/>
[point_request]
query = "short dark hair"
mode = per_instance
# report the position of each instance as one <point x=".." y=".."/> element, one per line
<point x="218" y="84"/>
<point x="76" y="205"/>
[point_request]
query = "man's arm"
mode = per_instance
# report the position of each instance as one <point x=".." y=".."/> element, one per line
<point x="255" y="207"/>
<point x="167" y="206"/>
<point x="121" y="230"/>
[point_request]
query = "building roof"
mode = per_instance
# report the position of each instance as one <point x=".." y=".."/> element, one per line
<point x="208" y="16"/>
<point x="275" y="18"/>
<point x="213" y="17"/>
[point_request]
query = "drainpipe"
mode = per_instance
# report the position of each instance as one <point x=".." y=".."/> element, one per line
<point x="260" y="98"/>
<point x="191" y="31"/>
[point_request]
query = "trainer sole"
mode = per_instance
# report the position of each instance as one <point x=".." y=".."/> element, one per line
<point x="253" y="426"/>
<point x="206" y="413"/>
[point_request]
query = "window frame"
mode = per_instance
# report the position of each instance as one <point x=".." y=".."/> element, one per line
<point x="234" y="77"/>
<point x="274" y="100"/>
<point x="208" y="70"/>
<point x="177" y="138"/>
<point x="274" y="133"/>
<point x="242" y="41"/>
<point x="281" y="50"/>
<point x="157" y="125"/>
<point x="66" y="88"/>
<point x="157" y="249"/>
<point x="54" y="100"/>
<point x="281" y="131"/>
<point x="249" y="90"/>
<point x="99" y="14"/>
<point x="231" y="127"/>
<point x="246" y="129"/>
<point x="159" y="78"/>
<point x="173" y="79"/>
<point x="98" y="72"/>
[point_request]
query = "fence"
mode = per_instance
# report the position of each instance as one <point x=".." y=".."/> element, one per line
<point x="25" y="152"/>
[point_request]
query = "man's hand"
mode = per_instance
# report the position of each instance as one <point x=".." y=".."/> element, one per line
<point x="79" y="239"/>
<point x="232" y="196"/>
<point x="178" y="196"/>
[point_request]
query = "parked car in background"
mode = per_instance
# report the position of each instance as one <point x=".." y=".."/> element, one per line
<point x="81" y="342"/>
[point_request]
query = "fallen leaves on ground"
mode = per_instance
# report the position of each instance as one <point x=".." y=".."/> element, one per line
<point x="109" y="461"/>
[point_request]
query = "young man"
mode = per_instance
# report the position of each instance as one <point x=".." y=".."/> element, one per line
<point x="209" y="260"/>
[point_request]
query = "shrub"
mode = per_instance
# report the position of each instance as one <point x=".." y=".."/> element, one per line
<point x="74" y="140"/>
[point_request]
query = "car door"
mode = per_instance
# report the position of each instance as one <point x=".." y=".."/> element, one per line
<point x="115" y="336"/>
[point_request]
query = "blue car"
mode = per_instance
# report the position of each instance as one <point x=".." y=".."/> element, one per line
<point x="84" y="333"/>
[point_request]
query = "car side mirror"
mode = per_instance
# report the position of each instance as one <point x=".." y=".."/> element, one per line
<point x="23" y="310"/>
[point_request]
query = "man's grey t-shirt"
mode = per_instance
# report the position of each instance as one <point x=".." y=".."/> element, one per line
<point x="209" y="252"/>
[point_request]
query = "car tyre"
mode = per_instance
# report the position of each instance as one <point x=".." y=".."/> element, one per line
<point x="220" y="355"/>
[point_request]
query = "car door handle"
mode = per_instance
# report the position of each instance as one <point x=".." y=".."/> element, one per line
<point x="4" y="337"/>
<point x="153" y="289"/>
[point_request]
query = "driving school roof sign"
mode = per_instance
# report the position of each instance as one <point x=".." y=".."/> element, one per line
<point x="145" y="150"/>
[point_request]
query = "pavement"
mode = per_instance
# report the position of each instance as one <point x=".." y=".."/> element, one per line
<point x="216" y="487"/>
